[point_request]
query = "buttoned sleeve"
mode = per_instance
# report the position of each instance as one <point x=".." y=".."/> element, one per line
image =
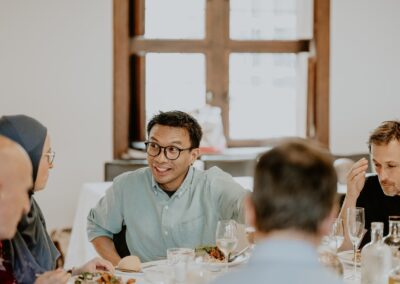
<point x="106" y="218"/>
<point x="227" y="194"/>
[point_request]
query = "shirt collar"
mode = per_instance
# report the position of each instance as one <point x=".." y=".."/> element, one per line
<point x="187" y="182"/>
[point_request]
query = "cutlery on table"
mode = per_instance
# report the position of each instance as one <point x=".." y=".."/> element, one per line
<point x="232" y="257"/>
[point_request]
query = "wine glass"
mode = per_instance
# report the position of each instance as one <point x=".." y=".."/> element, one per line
<point x="226" y="238"/>
<point x="355" y="227"/>
<point x="336" y="236"/>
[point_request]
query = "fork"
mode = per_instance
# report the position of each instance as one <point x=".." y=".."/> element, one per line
<point x="236" y="255"/>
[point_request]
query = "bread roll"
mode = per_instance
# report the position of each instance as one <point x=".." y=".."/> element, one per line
<point x="131" y="262"/>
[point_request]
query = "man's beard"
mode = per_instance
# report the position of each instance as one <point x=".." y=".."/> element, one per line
<point x="390" y="189"/>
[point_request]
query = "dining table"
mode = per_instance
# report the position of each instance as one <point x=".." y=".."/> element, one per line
<point x="160" y="272"/>
<point x="80" y="250"/>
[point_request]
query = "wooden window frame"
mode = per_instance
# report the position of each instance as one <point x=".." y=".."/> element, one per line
<point x="129" y="67"/>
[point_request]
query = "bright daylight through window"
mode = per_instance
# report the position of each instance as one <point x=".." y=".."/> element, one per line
<point x="263" y="88"/>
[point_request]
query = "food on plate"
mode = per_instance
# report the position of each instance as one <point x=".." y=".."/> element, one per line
<point x="107" y="278"/>
<point x="86" y="277"/>
<point x="129" y="263"/>
<point x="101" y="278"/>
<point x="210" y="253"/>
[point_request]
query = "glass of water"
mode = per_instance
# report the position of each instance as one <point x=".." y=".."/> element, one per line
<point x="178" y="259"/>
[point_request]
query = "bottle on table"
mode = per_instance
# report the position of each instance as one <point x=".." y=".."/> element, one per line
<point x="393" y="239"/>
<point x="376" y="258"/>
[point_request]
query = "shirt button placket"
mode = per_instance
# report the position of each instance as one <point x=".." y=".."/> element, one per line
<point x="165" y="218"/>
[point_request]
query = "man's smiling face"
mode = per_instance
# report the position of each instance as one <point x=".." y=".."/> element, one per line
<point x="170" y="174"/>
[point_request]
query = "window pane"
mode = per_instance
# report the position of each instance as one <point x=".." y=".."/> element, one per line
<point x="174" y="81"/>
<point x="270" y="19"/>
<point x="174" y="19"/>
<point x="267" y="95"/>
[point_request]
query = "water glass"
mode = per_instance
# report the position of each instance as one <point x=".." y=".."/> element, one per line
<point x="198" y="275"/>
<point x="159" y="274"/>
<point x="179" y="259"/>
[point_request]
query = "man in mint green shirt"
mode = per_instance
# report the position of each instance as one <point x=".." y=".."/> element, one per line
<point x="170" y="203"/>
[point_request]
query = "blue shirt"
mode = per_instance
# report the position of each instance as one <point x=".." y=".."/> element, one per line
<point x="156" y="221"/>
<point x="282" y="261"/>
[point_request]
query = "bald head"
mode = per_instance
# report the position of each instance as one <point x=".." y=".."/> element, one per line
<point x="15" y="181"/>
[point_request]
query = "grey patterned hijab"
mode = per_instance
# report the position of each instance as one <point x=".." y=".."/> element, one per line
<point x="31" y="251"/>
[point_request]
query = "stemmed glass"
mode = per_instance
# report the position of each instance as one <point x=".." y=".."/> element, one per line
<point x="355" y="227"/>
<point x="226" y="237"/>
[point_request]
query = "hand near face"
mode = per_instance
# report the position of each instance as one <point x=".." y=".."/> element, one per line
<point x="96" y="264"/>
<point x="58" y="276"/>
<point x="356" y="178"/>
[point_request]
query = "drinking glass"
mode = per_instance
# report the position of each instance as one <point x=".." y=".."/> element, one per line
<point x="355" y="227"/>
<point x="226" y="238"/>
<point x="178" y="259"/>
<point x="336" y="236"/>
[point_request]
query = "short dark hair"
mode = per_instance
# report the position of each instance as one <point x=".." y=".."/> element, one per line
<point x="180" y="119"/>
<point x="294" y="187"/>
<point x="384" y="133"/>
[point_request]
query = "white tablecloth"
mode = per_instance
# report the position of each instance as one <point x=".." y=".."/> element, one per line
<point x="80" y="249"/>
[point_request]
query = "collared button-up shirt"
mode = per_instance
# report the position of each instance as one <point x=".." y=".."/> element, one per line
<point x="282" y="261"/>
<point x="155" y="221"/>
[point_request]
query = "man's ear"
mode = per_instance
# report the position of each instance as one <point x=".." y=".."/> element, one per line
<point x="195" y="153"/>
<point x="250" y="214"/>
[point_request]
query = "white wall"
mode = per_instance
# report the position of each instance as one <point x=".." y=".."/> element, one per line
<point x="365" y="70"/>
<point x="56" y="65"/>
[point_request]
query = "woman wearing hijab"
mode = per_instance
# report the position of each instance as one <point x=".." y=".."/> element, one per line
<point x="31" y="251"/>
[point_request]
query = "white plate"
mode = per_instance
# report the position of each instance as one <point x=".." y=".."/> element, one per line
<point x="124" y="278"/>
<point x="239" y="260"/>
<point x="128" y="274"/>
<point x="346" y="257"/>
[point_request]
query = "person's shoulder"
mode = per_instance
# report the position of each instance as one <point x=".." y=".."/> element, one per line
<point x="372" y="180"/>
<point x="236" y="277"/>
<point x="139" y="175"/>
<point x="216" y="172"/>
<point x="372" y="188"/>
<point x="330" y="277"/>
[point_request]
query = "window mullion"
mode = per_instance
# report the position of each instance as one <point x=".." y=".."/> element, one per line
<point x="270" y="46"/>
<point x="121" y="78"/>
<point x="321" y="39"/>
<point x="217" y="77"/>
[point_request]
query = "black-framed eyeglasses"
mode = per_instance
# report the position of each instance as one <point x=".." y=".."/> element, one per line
<point x="170" y="152"/>
<point x="50" y="156"/>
